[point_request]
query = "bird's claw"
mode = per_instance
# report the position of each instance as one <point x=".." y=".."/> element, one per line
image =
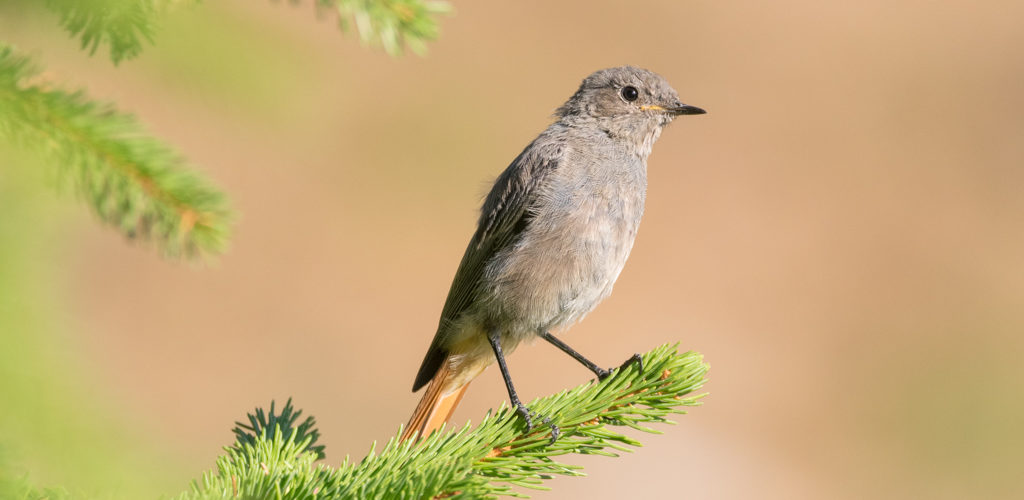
<point x="555" y="431"/>
<point x="527" y="415"/>
<point x="524" y="412"/>
<point x="636" y="358"/>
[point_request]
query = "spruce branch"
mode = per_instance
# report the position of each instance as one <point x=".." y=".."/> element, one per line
<point x="132" y="181"/>
<point x="484" y="462"/>
<point x="14" y="486"/>
<point x="124" y="25"/>
<point x="262" y="425"/>
<point x="391" y="23"/>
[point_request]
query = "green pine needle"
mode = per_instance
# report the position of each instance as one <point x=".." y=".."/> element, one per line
<point x="123" y="25"/>
<point x="390" y="23"/>
<point x="15" y="486"/>
<point x="132" y="181"/>
<point x="262" y="424"/>
<point x="484" y="462"/>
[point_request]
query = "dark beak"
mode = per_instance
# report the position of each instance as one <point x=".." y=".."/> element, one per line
<point x="686" y="109"/>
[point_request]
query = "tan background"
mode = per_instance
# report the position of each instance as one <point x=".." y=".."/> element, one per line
<point x="841" y="236"/>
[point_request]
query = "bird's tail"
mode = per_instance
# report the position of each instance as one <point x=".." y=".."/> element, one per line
<point x="438" y="404"/>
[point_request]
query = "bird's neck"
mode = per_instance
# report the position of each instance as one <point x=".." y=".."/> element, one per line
<point x="635" y="136"/>
<point x="638" y="137"/>
<point x="643" y="147"/>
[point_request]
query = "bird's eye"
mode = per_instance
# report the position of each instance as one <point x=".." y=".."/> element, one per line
<point x="630" y="93"/>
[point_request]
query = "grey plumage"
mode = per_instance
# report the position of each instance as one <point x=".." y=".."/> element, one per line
<point x="557" y="227"/>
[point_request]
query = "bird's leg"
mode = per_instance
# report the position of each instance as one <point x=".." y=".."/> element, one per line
<point x="600" y="372"/>
<point x="494" y="337"/>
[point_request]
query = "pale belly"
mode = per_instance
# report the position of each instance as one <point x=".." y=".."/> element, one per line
<point x="563" y="264"/>
<point x="562" y="267"/>
<point x="552" y="277"/>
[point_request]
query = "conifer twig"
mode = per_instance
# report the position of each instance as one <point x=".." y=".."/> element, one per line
<point x="482" y="462"/>
<point x="123" y="25"/>
<point x="390" y="23"/>
<point x="262" y="424"/>
<point x="131" y="180"/>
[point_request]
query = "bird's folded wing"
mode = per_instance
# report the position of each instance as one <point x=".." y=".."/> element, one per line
<point x="505" y="215"/>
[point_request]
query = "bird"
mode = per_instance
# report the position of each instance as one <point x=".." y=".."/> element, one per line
<point x="553" y="235"/>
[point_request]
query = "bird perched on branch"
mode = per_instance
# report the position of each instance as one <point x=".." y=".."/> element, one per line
<point x="553" y="236"/>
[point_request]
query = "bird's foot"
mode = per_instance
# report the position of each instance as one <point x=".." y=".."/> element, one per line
<point x="636" y="358"/>
<point x="528" y="416"/>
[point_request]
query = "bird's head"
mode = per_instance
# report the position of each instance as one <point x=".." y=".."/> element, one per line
<point x="628" y="103"/>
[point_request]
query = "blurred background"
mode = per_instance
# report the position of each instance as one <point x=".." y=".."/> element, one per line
<point x="842" y="237"/>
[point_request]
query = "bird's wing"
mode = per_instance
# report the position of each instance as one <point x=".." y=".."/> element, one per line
<point x="504" y="216"/>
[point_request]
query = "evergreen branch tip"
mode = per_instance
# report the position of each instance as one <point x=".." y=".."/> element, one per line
<point x="499" y="457"/>
<point x="131" y="180"/>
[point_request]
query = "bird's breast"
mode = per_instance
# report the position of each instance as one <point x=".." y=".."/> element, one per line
<point x="582" y="227"/>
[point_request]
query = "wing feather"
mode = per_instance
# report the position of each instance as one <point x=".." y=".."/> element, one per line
<point x="504" y="216"/>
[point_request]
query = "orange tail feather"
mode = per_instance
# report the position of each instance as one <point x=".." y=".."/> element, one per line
<point x="436" y="406"/>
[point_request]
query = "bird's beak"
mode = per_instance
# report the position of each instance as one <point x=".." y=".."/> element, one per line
<point x="685" y="109"/>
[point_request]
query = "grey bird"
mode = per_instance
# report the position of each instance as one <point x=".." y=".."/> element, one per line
<point x="553" y="236"/>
